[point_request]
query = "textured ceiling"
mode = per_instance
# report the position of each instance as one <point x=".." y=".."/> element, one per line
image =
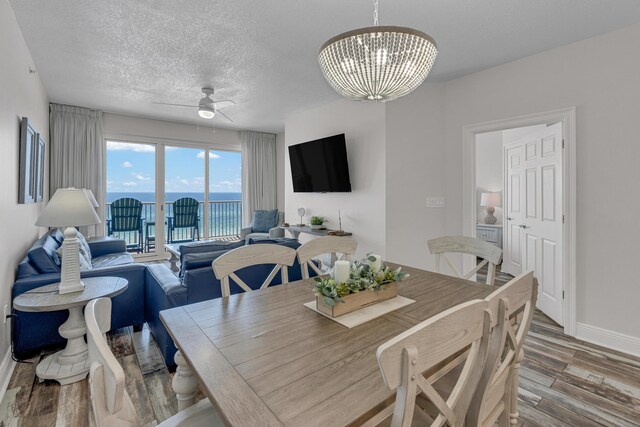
<point x="122" y="55"/>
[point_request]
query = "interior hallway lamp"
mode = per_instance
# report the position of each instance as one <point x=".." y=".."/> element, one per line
<point x="69" y="207"/>
<point x="378" y="63"/>
<point x="490" y="201"/>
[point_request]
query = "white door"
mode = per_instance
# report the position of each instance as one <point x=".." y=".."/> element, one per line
<point x="533" y="214"/>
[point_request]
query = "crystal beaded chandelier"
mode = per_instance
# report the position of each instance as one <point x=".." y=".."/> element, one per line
<point x="378" y="63"/>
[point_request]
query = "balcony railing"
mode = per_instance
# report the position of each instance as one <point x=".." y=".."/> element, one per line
<point x="225" y="220"/>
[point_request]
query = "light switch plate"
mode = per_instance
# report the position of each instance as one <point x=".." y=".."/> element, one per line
<point x="435" y="202"/>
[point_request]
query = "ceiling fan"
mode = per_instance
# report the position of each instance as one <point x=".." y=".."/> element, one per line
<point x="207" y="108"/>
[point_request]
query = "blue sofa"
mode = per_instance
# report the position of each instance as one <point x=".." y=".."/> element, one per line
<point x="152" y="288"/>
<point x="41" y="266"/>
<point x="197" y="282"/>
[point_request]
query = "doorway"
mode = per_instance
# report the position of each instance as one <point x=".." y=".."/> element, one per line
<point x="519" y="188"/>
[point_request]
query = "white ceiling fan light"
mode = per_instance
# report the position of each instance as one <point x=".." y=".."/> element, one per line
<point x="206" y="112"/>
<point x="207" y="108"/>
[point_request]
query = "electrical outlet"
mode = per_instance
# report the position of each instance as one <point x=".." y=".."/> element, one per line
<point x="435" y="202"/>
<point x="6" y="313"/>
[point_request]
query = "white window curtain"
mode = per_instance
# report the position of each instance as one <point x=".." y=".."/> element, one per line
<point x="77" y="152"/>
<point x="258" y="173"/>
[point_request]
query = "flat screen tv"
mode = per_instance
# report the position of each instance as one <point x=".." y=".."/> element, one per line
<point x="320" y="166"/>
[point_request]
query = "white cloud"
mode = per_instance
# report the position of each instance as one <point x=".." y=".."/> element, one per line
<point x="140" y="176"/>
<point x="184" y="181"/>
<point x="228" y="186"/>
<point x="130" y="184"/>
<point x="211" y="155"/>
<point x="126" y="146"/>
<point x="126" y="164"/>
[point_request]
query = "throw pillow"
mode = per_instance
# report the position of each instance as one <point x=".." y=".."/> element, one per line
<point x="84" y="247"/>
<point x="263" y="221"/>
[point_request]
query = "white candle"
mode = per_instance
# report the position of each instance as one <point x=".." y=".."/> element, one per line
<point x="376" y="264"/>
<point x="341" y="271"/>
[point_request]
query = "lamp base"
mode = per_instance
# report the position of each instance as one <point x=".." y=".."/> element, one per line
<point x="490" y="218"/>
<point x="70" y="274"/>
<point x="67" y="288"/>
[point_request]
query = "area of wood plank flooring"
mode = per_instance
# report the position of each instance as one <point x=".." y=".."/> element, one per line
<point x="563" y="381"/>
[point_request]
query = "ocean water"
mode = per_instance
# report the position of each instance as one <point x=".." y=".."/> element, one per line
<point x="172" y="197"/>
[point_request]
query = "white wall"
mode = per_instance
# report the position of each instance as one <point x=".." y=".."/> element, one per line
<point x="363" y="210"/>
<point x="600" y="77"/>
<point x="488" y="170"/>
<point x="280" y="159"/>
<point x="415" y="149"/>
<point x="21" y="95"/>
<point x="145" y="130"/>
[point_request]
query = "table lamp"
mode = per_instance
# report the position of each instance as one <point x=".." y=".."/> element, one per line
<point x="69" y="207"/>
<point x="490" y="201"/>
<point x="91" y="229"/>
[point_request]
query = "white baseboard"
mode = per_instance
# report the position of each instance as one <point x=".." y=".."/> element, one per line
<point x="609" y="339"/>
<point x="6" y="370"/>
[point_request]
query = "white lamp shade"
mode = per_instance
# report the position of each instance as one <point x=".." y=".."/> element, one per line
<point x="491" y="199"/>
<point x="91" y="197"/>
<point x="69" y="207"/>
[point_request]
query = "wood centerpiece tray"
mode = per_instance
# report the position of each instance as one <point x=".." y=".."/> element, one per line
<point x="356" y="301"/>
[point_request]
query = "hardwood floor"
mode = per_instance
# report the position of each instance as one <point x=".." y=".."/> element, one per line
<point x="563" y="382"/>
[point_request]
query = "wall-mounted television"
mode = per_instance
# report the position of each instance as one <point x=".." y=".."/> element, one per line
<point x="320" y="166"/>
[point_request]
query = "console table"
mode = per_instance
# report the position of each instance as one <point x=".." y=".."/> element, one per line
<point x="492" y="233"/>
<point x="71" y="364"/>
<point x="295" y="231"/>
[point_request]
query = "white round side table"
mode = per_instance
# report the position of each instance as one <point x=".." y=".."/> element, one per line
<point x="71" y="364"/>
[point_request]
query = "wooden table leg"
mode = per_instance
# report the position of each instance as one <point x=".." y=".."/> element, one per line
<point x="71" y="364"/>
<point x="174" y="262"/>
<point x="184" y="383"/>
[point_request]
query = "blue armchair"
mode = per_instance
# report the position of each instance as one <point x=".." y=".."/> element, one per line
<point x="273" y="232"/>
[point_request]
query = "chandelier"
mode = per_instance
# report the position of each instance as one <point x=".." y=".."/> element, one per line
<point x="378" y="63"/>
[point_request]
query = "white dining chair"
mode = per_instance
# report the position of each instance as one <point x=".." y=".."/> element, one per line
<point x="403" y="360"/>
<point x="226" y="266"/>
<point x="490" y="254"/>
<point x="333" y="245"/>
<point x="496" y="397"/>
<point x="110" y="401"/>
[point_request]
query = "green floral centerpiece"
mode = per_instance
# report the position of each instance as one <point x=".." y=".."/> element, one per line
<point x="366" y="285"/>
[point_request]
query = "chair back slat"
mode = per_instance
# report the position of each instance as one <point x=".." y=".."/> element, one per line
<point x="512" y="306"/>
<point x="490" y="253"/>
<point x="126" y="215"/>
<point x="185" y="212"/>
<point x="109" y="398"/>
<point x="321" y="246"/>
<point x="228" y="264"/>
<point x="405" y="358"/>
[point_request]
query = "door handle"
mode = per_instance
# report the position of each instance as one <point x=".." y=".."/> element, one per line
<point x="523" y="226"/>
<point x="509" y="218"/>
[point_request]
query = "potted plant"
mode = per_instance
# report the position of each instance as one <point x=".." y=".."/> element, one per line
<point x="317" y="222"/>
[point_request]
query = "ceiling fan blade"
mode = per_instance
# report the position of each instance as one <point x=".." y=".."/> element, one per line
<point x="224" y="115"/>
<point x="176" y="105"/>
<point x="224" y="100"/>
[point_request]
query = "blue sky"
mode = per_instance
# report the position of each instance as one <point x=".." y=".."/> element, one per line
<point x="131" y="168"/>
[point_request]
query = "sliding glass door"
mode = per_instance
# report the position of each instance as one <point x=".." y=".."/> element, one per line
<point x="184" y="199"/>
<point x="182" y="193"/>
<point x="131" y="194"/>
<point x="225" y="193"/>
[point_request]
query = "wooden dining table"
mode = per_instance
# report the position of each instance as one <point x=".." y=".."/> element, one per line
<point x="264" y="359"/>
